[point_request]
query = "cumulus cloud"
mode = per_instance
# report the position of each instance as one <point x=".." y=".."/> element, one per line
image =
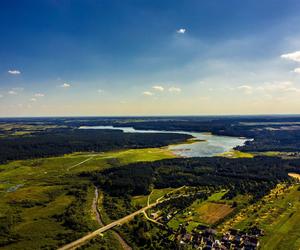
<point x="158" y="88"/>
<point x="15" y="91"/>
<point x="297" y="70"/>
<point x="33" y="99"/>
<point x="14" y="72"/>
<point x="39" y="95"/>
<point x="246" y="89"/>
<point x="100" y="91"/>
<point x="174" y="89"/>
<point x="12" y="92"/>
<point x="294" y="56"/>
<point x="181" y="31"/>
<point x="66" y="85"/>
<point x="148" y="93"/>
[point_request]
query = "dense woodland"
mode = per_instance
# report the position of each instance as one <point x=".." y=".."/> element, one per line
<point x="254" y="176"/>
<point x="59" y="142"/>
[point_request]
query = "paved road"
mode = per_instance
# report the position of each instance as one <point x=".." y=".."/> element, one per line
<point x="81" y="241"/>
<point x="121" y="221"/>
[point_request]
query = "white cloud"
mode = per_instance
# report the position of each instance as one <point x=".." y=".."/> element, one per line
<point x="246" y="89"/>
<point x="294" y="56"/>
<point x="268" y="88"/>
<point x="14" y="72"/>
<point x="181" y="31"/>
<point x="12" y="92"/>
<point x="175" y="89"/>
<point x="100" y="91"/>
<point x="158" y="88"/>
<point x="148" y="93"/>
<point x="15" y="91"/>
<point x="1" y="96"/>
<point x="285" y="86"/>
<point x="65" y="85"/>
<point x="297" y="70"/>
<point x="39" y="95"/>
<point x="33" y="100"/>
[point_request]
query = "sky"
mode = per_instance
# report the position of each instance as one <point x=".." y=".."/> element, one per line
<point x="149" y="57"/>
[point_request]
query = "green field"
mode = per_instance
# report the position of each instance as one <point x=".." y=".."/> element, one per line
<point x="236" y="154"/>
<point x="205" y="212"/>
<point x="277" y="214"/>
<point x="142" y="200"/>
<point x="36" y="196"/>
<point x="45" y="204"/>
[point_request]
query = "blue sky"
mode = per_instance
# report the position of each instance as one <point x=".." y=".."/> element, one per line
<point x="193" y="57"/>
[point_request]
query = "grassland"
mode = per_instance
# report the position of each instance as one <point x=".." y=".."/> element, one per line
<point x="277" y="214"/>
<point x="236" y="154"/>
<point x="239" y="154"/>
<point x="209" y="213"/>
<point x="35" y="195"/>
<point x="205" y="212"/>
<point x="16" y="129"/>
<point x="142" y="200"/>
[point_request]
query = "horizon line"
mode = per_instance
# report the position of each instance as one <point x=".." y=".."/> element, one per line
<point x="148" y="116"/>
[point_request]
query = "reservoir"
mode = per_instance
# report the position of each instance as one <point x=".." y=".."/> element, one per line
<point x="205" y="144"/>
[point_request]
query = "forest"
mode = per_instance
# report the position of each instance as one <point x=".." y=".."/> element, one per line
<point x="64" y="141"/>
<point x="269" y="133"/>
<point x="254" y="176"/>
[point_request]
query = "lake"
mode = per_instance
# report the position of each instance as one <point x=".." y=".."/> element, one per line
<point x="211" y="145"/>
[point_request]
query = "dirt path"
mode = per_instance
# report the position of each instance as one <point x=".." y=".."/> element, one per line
<point x="96" y="211"/>
<point x="80" y="163"/>
<point x="95" y="208"/>
<point x="123" y="243"/>
<point x="103" y="229"/>
<point x="154" y="221"/>
<point x="148" y="200"/>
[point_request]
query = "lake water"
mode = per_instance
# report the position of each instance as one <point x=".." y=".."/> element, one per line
<point x="212" y="146"/>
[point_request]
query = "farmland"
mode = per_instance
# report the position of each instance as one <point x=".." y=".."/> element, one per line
<point x="277" y="214"/>
<point x="205" y="212"/>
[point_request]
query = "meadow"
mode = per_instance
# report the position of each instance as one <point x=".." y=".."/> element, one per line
<point x="44" y="203"/>
<point x="277" y="214"/>
<point x="206" y="212"/>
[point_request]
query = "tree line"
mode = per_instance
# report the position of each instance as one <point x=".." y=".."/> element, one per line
<point x="64" y="141"/>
